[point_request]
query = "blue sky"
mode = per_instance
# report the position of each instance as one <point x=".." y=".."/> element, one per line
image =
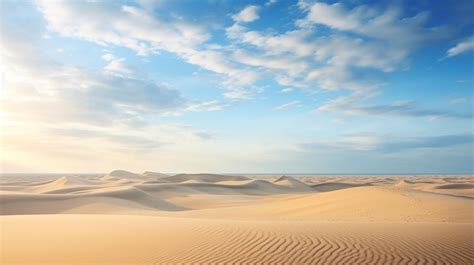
<point x="237" y="86"/>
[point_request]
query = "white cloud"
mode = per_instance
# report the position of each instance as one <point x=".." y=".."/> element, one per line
<point x="63" y="118"/>
<point x="239" y="94"/>
<point x="369" y="142"/>
<point x="112" y="23"/>
<point x="360" y="38"/>
<point x="457" y="101"/>
<point x="248" y="14"/>
<point x="50" y="102"/>
<point x="361" y="43"/>
<point x="83" y="97"/>
<point x="109" y="23"/>
<point x="388" y="24"/>
<point x="108" y="57"/>
<point x="286" y="90"/>
<point x="339" y="121"/>
<point x="288" y="105"/>
<point x="351" y="105"/>
<point x="335" y="16"/>
<point x="118" y="65"/>
<point x="461" y="47"/>
<point x="213" y="105"/>
<point x="270" y="2"/>
<point x="294" y="42"/>
<point x="292" y="67"/>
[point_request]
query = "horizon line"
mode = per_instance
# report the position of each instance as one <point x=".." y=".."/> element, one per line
<point x="241" y="173"/>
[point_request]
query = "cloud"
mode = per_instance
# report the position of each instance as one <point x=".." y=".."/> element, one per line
<point x="63" y="111"/>
<point x="213" y="105"/>
<point x="248" y="14"/>
<point x="238" y="94"/>
<point x="461" y="47"/>
<point x="203" y="135"/>
<point x="114" y="23"/>
<point x="270" y="62"/>
<point x="369" y="37"/>
<point x="271" y="2"/>
<point x="334" y="47"/>
<point x="36" y="87"/>
<point x="108" y="57"/>
<point x="428" y="142"/>
<point x="362" y="42"/>
<point x="118" y="65"/>
<point x="243" y="94"/>
<point x="121" y="25"/>
<point x="388" y="24"/>
<point x="294" y="42"/>
<point x="288" y="105"/>
<point x="349" y="105"/>
<point x="85" y="97"/>
<point x="339" y="121"/>
<point x="457" y="101"/>
<point x="141" y="142"/>
<point x="369" y="142"/>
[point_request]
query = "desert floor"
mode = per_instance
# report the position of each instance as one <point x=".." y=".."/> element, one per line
<point x="153" y="218"/>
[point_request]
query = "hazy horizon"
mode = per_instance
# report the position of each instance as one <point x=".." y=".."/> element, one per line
<point x="252" y="173"/>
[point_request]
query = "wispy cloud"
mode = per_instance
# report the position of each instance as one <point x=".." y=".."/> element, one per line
<point x="136" y="28"/>
<point x="461" y="47"/>
<point x="118" y="65"/>
<point x="271" y="2"/>
<point x="213" y="105"/>
<point x="288" y="105"/>
<point x="114" y="108"/>
<point x="458" y="100"/>
<point x="362" y="42"/>
<point x="350" y="105"/>
<point x="367" y="142"/>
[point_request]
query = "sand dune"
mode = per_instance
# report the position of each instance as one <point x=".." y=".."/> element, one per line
<point x="102" y="200"/>
<point x="292" y="183"/>
<point x="154" y="174"/>
<point x="203" y="178"/>
<point x="456" y="186"/>
<point x="360" y="204"/>
<point x="154" y="218"/>
<point x="123" y="174"/>
<point x="332" y="186"/>
<point x="441" y="186"/>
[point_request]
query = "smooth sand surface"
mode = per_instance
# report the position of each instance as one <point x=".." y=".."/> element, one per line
<point x="153" y="218"/>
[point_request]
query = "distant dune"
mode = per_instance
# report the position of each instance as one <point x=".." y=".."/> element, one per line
<point x="154" y="174"/>
<point x="149" y="218"/>
<point x="203" y="177"/>
<point x="332" y="186"/>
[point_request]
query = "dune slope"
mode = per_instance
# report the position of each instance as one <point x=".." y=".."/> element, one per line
<point x="358" y="204"/>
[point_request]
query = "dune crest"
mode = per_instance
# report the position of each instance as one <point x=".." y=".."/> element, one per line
<point x="292" y="183"/>
<point x="154" y="174"/>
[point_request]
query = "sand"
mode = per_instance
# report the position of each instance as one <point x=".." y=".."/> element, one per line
<point x="154" y="218"/>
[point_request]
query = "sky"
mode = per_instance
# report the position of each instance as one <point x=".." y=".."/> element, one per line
<point x="273" y="86"/>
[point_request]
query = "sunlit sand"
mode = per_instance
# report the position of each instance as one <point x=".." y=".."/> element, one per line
<point x="154" y="218"/>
